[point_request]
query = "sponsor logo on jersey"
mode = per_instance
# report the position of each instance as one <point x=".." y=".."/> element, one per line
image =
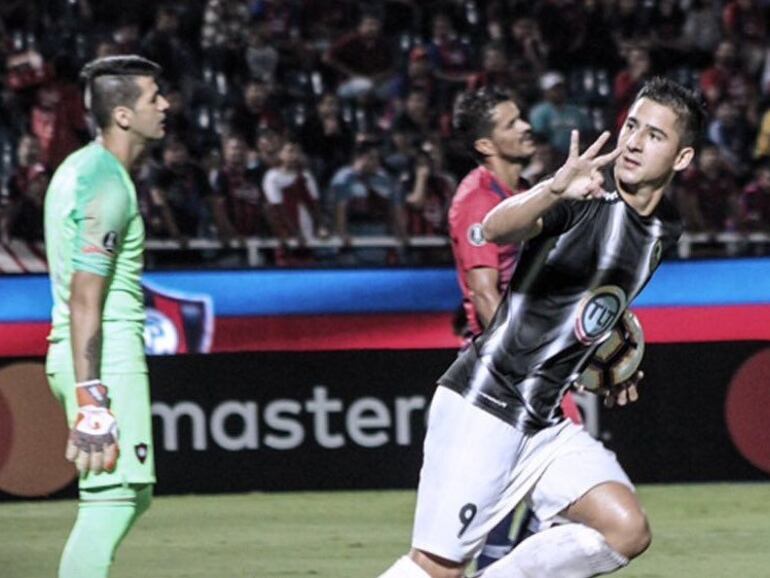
<point x="141" y="452"/>
<point x="598" y="312"/>
<point x="110" y="241"/>
<point x="476" y="235"/>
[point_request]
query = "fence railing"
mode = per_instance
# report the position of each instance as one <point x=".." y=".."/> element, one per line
<point x="728" y="244"/>
<point x="21" y="257"/>
<point x="255" y="246"/>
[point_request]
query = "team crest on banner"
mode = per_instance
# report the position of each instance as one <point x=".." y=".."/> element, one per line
<point x="177" y="322"/>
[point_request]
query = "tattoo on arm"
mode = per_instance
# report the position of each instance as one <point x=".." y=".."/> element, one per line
<point x="94" y="355"/>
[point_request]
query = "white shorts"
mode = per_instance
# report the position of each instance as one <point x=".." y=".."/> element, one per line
<point x="477" y="468"/>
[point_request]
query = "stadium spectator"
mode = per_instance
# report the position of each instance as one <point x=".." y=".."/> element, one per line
<point x="224" y="30"/>
<point x="715" y="81"/>
<point x="707" y="195"/>
<point x="555" y="117"/>
<point x="496" y="72"/>
<point x="366" y="203"/>
<point x="255" y="113"/>
<point x="527" y="41"/>
<point x="399" y="152"/>
<point x="630" y="22"/>
<point x="630" y="79"/>
<point x="544" y="161"/>
<point x="420" y="75"/>
<point x="745" y="23"/>
<point x="281" y="22"/>
<point x="362" y="59"/>
<point x="555" y="18"/>
<point x="427" y="192"/>
<point x="126" y="35"/>
<point x="179" y="192"/>
<point x="166" y="46"/>
<point x="417" y="119"/>
<point x="701" y="31"/>
<point x="755" y="201"/>
<point x="666" y="25"/>
<point x="261" y="57"/>
<point x="178" y="121"/>
<point x="267" y="155"/>
<point x="325" y="137"/>
<point x="731" y="133"/>
<point x="237" y="204"/>
<point x="293" y="204"/>
<point x="21" y="215"/>
<point x="450" y="57"/>
<point x="58" y="117"/>
<point x="594" y="44"/>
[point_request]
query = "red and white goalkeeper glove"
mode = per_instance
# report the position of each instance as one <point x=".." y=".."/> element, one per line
<point x="93" y="439"/>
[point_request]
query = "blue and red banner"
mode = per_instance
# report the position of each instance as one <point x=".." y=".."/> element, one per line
<point x="291" y="310"/>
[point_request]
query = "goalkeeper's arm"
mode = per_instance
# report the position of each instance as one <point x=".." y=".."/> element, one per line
<point x="93" y="439"/>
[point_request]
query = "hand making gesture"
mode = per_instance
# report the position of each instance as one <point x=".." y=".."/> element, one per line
<point x="580" y="177"/>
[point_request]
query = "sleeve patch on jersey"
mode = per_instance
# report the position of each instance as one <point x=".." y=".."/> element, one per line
<point x="476" y="235"/>
<point x="110" y="242"/>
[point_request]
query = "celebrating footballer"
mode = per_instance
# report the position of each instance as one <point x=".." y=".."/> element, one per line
<point x="593" y="236"/>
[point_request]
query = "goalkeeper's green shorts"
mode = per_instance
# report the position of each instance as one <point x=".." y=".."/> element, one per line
<point x="130" y="395"/>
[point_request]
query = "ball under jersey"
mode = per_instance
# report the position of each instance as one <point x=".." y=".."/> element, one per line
<point x="93" y="224"/>
<point x="570" y="286"/>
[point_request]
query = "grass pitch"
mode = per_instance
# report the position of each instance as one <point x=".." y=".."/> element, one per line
<point x="700" y="531"/>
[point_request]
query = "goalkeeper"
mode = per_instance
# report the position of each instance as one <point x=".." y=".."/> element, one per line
<point x="95" y="364"/>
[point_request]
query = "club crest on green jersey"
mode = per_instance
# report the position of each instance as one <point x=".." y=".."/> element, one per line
<point x="110" y="242"/>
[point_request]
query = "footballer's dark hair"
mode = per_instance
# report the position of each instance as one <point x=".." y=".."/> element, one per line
<point x="688" y="105"/>
<point x="472" y="116"/>
<point x="111" y="82"/>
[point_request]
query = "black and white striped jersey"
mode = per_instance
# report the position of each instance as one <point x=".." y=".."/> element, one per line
<point x="571" y="285"/>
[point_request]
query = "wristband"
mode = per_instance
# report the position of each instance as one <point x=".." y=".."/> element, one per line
<point x="92" y="392"/>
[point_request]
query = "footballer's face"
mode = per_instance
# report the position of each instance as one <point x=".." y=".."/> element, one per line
<point x="511" y="138"/>
<point x="650" y="144"/>
<point x="149" y="110"/>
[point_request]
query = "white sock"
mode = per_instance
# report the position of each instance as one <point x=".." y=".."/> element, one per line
<point x="405" y="567"/>
<point x="567" y="551"/>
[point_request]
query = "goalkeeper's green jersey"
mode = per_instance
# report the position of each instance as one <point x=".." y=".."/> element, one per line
<point x="93" y="224"/>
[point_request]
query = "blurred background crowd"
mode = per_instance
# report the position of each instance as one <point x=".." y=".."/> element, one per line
<point x="316" y="123"/>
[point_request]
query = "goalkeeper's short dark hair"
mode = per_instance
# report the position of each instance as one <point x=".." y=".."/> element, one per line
<point x="111" y="82"/>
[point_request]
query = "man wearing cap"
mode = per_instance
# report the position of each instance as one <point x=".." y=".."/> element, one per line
<point x="553" y="117"/>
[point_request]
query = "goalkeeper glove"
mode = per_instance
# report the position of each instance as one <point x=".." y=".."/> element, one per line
<point x="93" y="439"/>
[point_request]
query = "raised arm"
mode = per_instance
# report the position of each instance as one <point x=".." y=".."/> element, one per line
<point x="519" y="218"/>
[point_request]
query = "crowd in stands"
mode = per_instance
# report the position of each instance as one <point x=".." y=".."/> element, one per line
<point x="302" y="120"/>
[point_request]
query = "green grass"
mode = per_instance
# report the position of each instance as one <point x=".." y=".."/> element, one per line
<point x="700" y="531"/>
